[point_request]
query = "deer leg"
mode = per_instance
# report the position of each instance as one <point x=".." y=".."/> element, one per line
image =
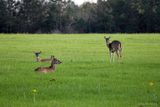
<point x="120" y="52"/>
<point x="118" y="55"/>
<point x="110" y="56"/>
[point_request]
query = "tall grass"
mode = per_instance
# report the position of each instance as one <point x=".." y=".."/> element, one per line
<point x="86" y="78"/>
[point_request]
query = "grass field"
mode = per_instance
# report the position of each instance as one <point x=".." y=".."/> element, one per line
<point x="86" y="78"/>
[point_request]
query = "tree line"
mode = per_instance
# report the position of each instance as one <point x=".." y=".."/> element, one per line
<point x="64" y="16"/>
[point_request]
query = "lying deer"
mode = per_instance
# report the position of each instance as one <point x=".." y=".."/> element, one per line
<point x="37" y="55"/>
<point x="38" y="59"/>
<point x="51" y="68"/>
<point x="114" y="47"/>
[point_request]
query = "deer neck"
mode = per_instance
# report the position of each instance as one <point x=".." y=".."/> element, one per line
<point x="107" y="43"/>
<point x="52" y="65"/>
<point x="38" y="59"/>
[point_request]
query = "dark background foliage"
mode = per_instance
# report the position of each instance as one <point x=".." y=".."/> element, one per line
<point x="59" y="16"/>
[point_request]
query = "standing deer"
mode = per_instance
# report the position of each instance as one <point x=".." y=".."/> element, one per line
<point x="114" y="47"/>
<point x="51" y="68"/>
<point x="38" y="59"/>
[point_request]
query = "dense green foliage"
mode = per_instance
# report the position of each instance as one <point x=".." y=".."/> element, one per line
<point x="85" y="78"/>
<point x="63" y="16"/>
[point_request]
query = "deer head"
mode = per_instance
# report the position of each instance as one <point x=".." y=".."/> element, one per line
<point x="37" y="53"/>
<point x="55" y="61"/>
<point x="107" y="39"/>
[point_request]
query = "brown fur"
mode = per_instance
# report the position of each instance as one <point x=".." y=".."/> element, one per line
<point x="46" y="59"/>
<point x="38" y="59"/>
<point x="114" y="47"/>
<point x="51" y="68"/>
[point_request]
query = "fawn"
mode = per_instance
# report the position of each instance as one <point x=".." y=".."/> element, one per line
<point x="51" y="68"/>
<point x="38" y="59"/>
<point x="114" y="47"/>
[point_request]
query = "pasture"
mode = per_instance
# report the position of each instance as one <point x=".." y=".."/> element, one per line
<point x="85" y="78"/>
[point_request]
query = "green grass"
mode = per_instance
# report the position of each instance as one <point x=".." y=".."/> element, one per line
<point x="86" y="78"/>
